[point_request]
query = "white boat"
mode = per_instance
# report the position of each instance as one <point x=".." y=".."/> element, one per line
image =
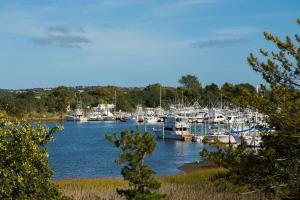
<point x="94" y="116"/>
<point x="77" y="116"/>
<point x="139" y="114"/>
<point x="151" y="119"/>
<point x="108" y="116"/>
<point x="214" y="117"/>
<point x="234" y="119"/>
<point x="176" y="128"/>
<point x="220" y="136"/>
<point x="198" y="138"/>
<point x="105" y="110"/>
<point x="253" y="140"/>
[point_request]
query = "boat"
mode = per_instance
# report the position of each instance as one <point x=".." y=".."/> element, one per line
<point x="175" y="128"/>
<point x="139" y="114"/>
<point x="198" y="138"/>
<point x="94" y="116"/>
<point x="221" y="136"/>
<point x="108" y="116"/>
<point x="150" y="119"/>
<point x="254" y="139"/>
<point x="77" y="116"/>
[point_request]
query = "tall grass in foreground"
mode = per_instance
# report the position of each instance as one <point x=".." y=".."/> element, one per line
<point x="191" y="186"/>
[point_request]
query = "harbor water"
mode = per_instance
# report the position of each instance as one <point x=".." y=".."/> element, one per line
<point x="81" y="151"/>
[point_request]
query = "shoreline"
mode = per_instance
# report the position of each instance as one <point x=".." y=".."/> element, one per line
<point x="184" y="168"/>
<point x="195" y="166"/>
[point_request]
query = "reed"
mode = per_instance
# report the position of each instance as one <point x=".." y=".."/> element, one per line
<point x="192" y="186"/>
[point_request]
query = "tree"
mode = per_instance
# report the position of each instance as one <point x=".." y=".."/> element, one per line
<point x="281" y="152"/>
<point x="134" y="148"/>
<point x="212" y="95"/>
<point x="24" y="169"/>
<point x="275" y="168"/>
<point x="191" y="86"/>
<point x="151" y="95"/>
<point x="190" y="81"/>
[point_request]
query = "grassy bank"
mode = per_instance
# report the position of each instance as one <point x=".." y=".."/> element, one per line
<point x="192" y="185"/>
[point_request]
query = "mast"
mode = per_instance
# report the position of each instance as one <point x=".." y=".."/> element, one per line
<point x="160" y="100"/>
<point x="182" y="97"/>
<point x="221" y="100"/>
<point x="115" y="100"/>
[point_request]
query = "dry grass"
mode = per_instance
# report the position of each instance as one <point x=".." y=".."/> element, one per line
<point x="191" y="186"/>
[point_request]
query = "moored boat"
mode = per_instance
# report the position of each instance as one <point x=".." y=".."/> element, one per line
<point x="175" y="128"/>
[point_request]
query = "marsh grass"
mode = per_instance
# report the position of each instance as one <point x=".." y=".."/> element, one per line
<point x="191" y="186"/>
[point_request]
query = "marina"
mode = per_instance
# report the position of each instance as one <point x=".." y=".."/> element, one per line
<point x="81" y="151"/>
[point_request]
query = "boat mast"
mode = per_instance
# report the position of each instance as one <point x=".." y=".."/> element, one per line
<point x="115" y="101"/>
<point x="221" y="100"/>
<point x="160" y="100"/>
<point x="182" y="97"/>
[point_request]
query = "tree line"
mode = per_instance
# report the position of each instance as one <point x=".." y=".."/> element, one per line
<point x="40" y="102"/>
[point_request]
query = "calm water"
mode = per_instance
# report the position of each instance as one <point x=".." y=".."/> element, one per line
<point x="81" y="151"/>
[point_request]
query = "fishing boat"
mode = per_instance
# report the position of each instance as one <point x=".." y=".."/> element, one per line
<point x="78" y="114"/>
<point x="175" y="128"/>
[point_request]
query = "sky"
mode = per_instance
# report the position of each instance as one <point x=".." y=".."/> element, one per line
<point x="136" y="42"/>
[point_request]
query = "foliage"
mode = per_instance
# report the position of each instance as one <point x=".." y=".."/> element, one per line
<point x="41" y="103"/>
<point x="191" y="86"/>
<point x="24" y="169"/>
<point x="275" y="168"/>
<point x="134" y="148"/>
<point x="281" y="153"/>
<point x="59" y="98"/>
<point x="190" y="81"/>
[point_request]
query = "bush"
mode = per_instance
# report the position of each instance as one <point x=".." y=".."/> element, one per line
<point x="24" y="169"/>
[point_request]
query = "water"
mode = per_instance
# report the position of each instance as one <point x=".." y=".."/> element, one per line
<point x="81" y="151"/>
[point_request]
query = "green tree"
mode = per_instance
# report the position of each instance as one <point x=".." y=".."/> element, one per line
<point x="58" y="99"/>
<point x="275" y="168"/>
<point x="151" y="95"/>
<point x="281" y="152"/>
<point x="212" y="95"/>
<point x="134" y="148"/>
<point x="24" y="169"/>
<point x="192" y="87"/>
<point x="190" y="81"/>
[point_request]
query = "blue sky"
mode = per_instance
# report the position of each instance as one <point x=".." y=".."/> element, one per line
<point x="136" y="42"/>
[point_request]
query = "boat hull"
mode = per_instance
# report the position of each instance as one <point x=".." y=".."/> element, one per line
<point x="224" y="139"/>
<point x="172" y="135"/>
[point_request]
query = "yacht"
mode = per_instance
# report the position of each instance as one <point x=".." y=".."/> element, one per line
<point x="176" y="128"/>
<point x="77" y="116"/>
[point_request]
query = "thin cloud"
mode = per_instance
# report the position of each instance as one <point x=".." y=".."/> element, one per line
<point x="61" y="36"/>
<point x="61" y="29"/>
<point x="176" y="8"/>
<point x="193" y="2"/>
<point x="217" y="42"/>
<point x="240" y="31"/>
